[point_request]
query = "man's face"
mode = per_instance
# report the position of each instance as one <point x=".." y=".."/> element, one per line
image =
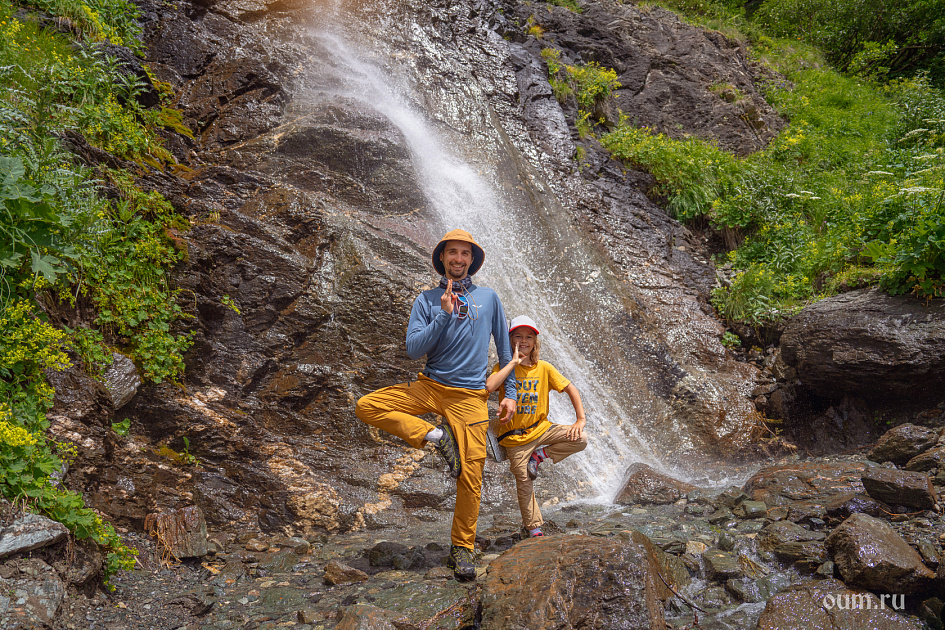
<point x="456" y="258"/>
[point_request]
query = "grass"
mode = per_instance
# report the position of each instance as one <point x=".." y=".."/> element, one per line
<point x="849" y="194"/>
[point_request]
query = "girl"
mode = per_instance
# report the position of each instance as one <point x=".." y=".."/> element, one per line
<point x="529" y="429"/>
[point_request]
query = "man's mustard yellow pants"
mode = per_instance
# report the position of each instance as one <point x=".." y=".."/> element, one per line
<point x="395" y="409"/>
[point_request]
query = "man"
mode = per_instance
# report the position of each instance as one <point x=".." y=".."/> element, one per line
<point x="451" y="325"/>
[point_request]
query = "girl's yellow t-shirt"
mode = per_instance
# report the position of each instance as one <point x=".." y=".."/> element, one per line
<point x="533" y="383"/>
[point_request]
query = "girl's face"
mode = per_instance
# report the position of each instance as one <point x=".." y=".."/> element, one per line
<point x="525" y="338"/>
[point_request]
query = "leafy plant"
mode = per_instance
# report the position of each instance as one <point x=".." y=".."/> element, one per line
<point x="570" y="5"/>
<point x="731" y="340"/>
<point x="90" y="346"/>
<point x="902" y="35"/>
<point x="122" y="428"/>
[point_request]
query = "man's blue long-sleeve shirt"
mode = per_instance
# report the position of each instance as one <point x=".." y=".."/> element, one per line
<point x="458" y="349"/>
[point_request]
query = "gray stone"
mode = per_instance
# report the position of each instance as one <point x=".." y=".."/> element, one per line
<point x="30" y="603"/>
<point x="745" y="589"/>
<point x="801" y="550"/>
<point x="337" y="573"/>
<point x="720" y="565"/>
<point x="902" y="443"/>
<point x="731" y="497"/>
<point x="645" y="485"/>
<point x="870" y="554"/>
<point x="830" y="604"/>
<point x="781" y="532"/>
<point x="121" y="380"/>
<point x="871" y="344"/>
<point x="30" y="531"/>
<point x="750" y="509"/>
<point x="900" y="487"/>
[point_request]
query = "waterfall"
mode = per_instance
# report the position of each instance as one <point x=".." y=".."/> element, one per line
<point x="538" y="264"/>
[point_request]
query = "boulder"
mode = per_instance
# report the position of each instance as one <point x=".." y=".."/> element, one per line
<point x="647" y="486"/>
<point x="900" y="487"/>
<point x="339" y="573"/>
<point x="830" y="604"/>
<point x="573" y="581"/>
<point x="781" y="484"/>
<point x="33" y="602"/>
<point x="121" y="380"/>
<point x="934" y="458"/>
<point x="843" y="505"/>
<point x="902" y="443"/>
<point x="870" y="554"/>
<point x="28" y="532"/>
<point x="871" y="344"/>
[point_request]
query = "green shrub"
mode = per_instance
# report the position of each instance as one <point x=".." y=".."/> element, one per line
<point x="61" y="237"/>
<point x="112" y="21"/>
<point x="589" y="83"/>
<point x="690" y="173"/>
<point x="570" y="5"/>
<point x="868" y="36"/>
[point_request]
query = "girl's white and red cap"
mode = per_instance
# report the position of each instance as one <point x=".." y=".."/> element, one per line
<point x="523" y="320"/>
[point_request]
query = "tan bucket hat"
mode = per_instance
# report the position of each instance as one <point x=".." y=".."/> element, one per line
<point x="458" y="235"/>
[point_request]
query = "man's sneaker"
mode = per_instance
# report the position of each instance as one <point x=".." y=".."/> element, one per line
<point x="536" y="534"/>
<point x="449" y="450"/>
<point x="533" y="462"/>
<point x="461" y="562"/>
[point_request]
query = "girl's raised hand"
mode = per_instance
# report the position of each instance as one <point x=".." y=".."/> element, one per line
<point x="516" y="357"/>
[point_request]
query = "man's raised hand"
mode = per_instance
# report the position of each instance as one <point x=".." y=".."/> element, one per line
<point x="448" y="299"/>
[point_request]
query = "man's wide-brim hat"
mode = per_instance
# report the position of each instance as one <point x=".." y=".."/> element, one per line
<point x="458" y="235"/>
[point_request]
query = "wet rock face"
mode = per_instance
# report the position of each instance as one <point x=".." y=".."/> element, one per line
<point x="570" y="581"/>
<point x="645" y="485"/>
<point x="870" y="554"/>
<point x="310" y="240"/>
<point x="870" y="344"/>
<point x="902" y="443"/>
<point x="830" y="604"/>
<point x="675" y="78"/>
<point x="900" y="487"/>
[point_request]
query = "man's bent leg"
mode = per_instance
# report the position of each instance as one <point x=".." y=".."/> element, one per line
<point x="395" y="409"/>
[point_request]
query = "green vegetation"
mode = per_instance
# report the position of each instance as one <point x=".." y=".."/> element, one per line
<point x="866" y="37"/>
<point x="851" y="193"/>
<point x="63" y="241"/>
<point x="570" y="5"/>
<point x="588" y="83"/>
